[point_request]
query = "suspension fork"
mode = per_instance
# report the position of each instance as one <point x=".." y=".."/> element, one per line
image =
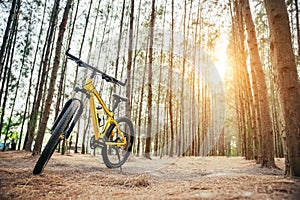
<point x="74" y="119"/>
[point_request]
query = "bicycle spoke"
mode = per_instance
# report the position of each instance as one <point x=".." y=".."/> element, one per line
<point x="115" y="155"/>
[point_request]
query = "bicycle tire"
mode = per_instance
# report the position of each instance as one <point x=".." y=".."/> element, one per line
<point x="50" y="147"/>
<point x="130" y="136"/>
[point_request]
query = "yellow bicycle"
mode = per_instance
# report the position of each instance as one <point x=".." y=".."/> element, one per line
<point x="116" y="136"/>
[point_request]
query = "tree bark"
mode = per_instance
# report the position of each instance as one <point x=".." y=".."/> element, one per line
<point x="171" y="84"/>
<point x="45" y="117"/>
<point x="141" y="106"/>
<point x="181" y="142"/>
<point x="149" y="102"/>
<point x="255" y="62"/>
<point x="129" y="62"/>
<point x="25" y="54"/>
<point x="287" y="80"/>
<point x="6" y="34"/>
<point x="30" y="79"/>
<point x="41" y="80"/>
<point x="8" y="65"/>
<point x="120" y="36"/>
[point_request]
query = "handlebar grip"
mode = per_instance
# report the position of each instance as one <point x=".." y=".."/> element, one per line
<point x="119" y="82"/>
<point x="71" y="56"/>
<point x="122" y="83"/>
<point x="113" y="80"/>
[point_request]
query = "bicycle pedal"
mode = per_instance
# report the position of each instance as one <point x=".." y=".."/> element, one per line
<point x="96" y="143"/>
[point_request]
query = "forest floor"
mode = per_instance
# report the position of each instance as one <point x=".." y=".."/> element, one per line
<point x="86" y="177"/>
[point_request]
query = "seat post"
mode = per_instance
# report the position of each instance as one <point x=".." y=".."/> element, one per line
<point x="117" y="100"/>
<point x="115" y="104"/>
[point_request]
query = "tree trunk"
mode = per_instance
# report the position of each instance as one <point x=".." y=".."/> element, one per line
<point x="120" y="37"/>
<point x="6" y="35"/>
<point x="31" y="77"/>
<point x="25" y="54"/>
<point x="240" y="75"/>
<point x="80" y="51"/>
<point x="255" y="62"/>
<point x="141" y="106"/>
<point x="171" y="84"/>
<point x="195" y="119"/>
<point x="41" y="80"/>
<point x="181" y="142"/>
<point x="62" y="84"/>
<point x="133" y="85"/>
<point x="149" y="102"/>
<point x="287" y="80"/>
<point x="8" y="65"/>
<point x="11" y="39"/>
<point x="45" y="117"/>
<point x="129" y="62"/>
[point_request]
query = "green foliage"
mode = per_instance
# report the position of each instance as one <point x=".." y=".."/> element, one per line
<point x="15" y="122"/>
<point x="13" y="135"/>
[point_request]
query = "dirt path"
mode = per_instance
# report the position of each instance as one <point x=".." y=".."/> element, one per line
<point x="86" y="177"/>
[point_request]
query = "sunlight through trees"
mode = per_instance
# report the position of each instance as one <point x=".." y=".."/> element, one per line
<point x="204" y="78"/>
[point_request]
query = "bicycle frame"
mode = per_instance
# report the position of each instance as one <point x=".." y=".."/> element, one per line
<point x="94" y="95"/>
<point x="110" y="138"/>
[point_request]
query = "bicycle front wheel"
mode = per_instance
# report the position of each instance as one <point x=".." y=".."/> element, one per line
<point x="115" y="156"/>
<point x="61" y="127"/>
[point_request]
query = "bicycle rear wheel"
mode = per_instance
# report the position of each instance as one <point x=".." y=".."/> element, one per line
<point x="61" y="127"/>
<point x="115" y="156"/>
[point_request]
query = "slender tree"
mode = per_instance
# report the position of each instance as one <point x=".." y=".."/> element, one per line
<point x="6" y="36"/>
<point x="8" y="66"/>
<point x="41" y="80"/>
<point x="133" y="83"/>
<point x="181" y="142"/>
<point x="120" y="37"/>
<point x="31" y="77"/>
<point x="138" y="145"/>
<point x="129" y="63"/>
<point x="45" y="116"/>
<point x="80" y="51"/>
<point x="171" y="83"/>
<point x="149" y="102"/>
<point x="21" y="72"/>
<point x="7" y="59"/>
<point x="255" y="62"/>
<point x="159" y="99"/>
<point x="196" y="77"/>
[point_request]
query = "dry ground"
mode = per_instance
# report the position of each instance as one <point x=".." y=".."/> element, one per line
<point x="86" y="177"/>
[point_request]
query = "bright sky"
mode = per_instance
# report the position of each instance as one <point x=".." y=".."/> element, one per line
<point x="221" y="47"/>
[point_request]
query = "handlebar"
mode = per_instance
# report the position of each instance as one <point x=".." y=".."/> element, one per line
<point x="106" y="77"/>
